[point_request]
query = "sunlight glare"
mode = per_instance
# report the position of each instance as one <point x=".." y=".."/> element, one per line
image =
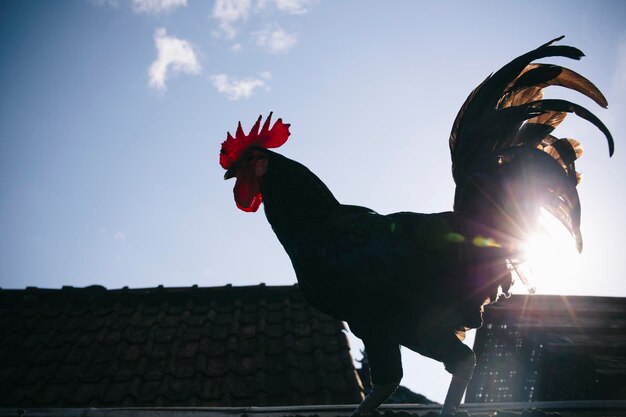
<point x="552" y="257"/>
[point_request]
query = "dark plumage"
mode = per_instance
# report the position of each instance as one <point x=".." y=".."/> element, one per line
<point x="421" y="280"/>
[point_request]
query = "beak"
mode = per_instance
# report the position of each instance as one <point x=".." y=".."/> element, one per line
<point x="232" y="172"/>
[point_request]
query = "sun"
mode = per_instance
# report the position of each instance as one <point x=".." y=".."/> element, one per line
<point x="553" y="264"/>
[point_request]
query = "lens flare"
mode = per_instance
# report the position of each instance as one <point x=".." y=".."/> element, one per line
<point x="551" y="258"/>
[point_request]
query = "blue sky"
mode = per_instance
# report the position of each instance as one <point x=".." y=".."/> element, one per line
<point x="112" y="114"/>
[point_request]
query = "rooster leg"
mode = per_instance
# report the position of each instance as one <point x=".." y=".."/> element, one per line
<point x="461" y="376"/>
<point x="376" y="397"/>
<point x="436" y="338"/>
<point x="386" y="370"/>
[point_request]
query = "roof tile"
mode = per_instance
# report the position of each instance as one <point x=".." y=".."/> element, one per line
<point x="221" y="346"/>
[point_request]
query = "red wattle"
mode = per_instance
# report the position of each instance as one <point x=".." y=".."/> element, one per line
<point x="254" y="205"/>
<point x="247" y="194"/>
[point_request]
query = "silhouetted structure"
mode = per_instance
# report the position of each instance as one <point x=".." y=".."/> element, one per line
<point x="547" y="348"/>
<point x="221" y="346"/>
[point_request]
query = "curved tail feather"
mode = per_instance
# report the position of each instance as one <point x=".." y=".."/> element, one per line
<point x="505" y="161"/>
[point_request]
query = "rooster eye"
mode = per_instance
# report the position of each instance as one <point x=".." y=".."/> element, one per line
<point x="249" y="156"/>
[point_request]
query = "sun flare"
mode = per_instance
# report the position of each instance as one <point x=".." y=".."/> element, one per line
<point x="552" y="260"/>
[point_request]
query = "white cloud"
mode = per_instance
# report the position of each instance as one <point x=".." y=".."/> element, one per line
<point x="294" y="6"/>
<point x="275" y="41"/>
<point x="121" y="236"/>
<point x="174" y="56"/>
<point x="287" y="6"/>
<point x="235" y="89"/>
<point x="157" y="6"/>
<point x="229" y="12"/>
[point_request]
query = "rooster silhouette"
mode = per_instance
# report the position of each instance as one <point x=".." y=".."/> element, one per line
<point x="421" y="280"/>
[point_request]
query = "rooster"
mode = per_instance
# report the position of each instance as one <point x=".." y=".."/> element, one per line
<point x="421" y="280"/>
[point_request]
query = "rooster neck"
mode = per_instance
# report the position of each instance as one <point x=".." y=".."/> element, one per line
<point x="296" y="201"/>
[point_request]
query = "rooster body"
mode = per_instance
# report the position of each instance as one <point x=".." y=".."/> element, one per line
<point x="347" y="257"/>
<point x="421" y="280"/>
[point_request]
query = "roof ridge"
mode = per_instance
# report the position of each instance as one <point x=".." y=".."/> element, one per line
<point x="161" y="287"/>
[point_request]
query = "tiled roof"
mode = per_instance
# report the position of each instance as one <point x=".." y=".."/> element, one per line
<point x="221" y="346"/>
<point x="535" y="409"/>
<point x="551" y="348"/>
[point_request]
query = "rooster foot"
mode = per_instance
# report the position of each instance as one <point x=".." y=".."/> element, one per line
<point x="376" y="397"/>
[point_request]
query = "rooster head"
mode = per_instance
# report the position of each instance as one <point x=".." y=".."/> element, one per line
<point x="245" y="157"/>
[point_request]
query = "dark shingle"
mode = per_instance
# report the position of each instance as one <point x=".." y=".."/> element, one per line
<point x="221" y="346"/>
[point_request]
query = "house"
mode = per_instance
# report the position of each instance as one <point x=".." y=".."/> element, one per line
<point x="257" y="351"/>
<point x="221" y="346"/>
<point x="551" y="348"/>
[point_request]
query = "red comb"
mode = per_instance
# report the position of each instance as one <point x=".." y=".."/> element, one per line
<point x="233" y="147"/>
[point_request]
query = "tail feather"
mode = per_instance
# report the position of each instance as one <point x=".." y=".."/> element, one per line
<point x="533" y="132"/>
<point x="490" y="92"/>
<point x="551" y="110"/>
<point x="565" y="152"/>
<point x="531" y="179"/>
<point x="551" y="119"/>
<point x="521" y="96"/>
<point x="503" y="133"/>
<point x="544" y="75"/>
<point x="557" y="105"/>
